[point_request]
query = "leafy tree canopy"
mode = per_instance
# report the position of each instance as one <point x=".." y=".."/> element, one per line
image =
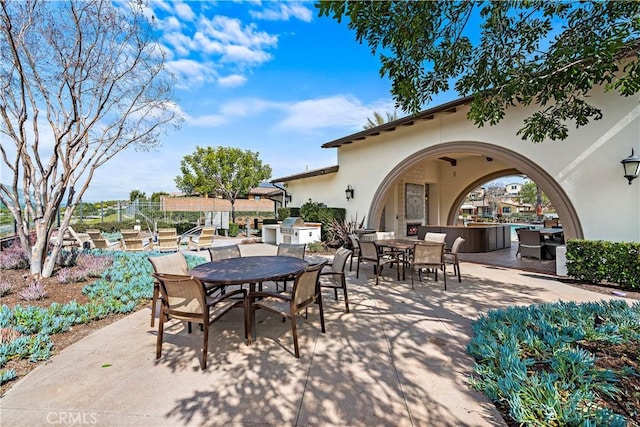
<point x="227" y="171"/>
<point x="529" y="194"/>
<point x="137" y="194"/>
<point x="504" y="53"/>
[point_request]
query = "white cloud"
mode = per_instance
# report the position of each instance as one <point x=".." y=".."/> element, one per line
<point x="283" y="11"/>
<point x="245" y="55"/>
<point x="335" y="111"/>
<point x="230" y="31"/>
<point x="233" y="80"/>
<point x="190" y="73"/>
<point x="184" y="12"/>
<point x="180" y="44"/>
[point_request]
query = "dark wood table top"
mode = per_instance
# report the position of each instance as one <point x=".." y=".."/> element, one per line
<point x="402" y="244"/>
<point x="251" y="269"/>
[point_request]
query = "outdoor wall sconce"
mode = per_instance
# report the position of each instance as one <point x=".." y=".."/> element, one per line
<point x="287" y="198"/>
<point x="631" y="166"/>
<point x="349" y="192"/>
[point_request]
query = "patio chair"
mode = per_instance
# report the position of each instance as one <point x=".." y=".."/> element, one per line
<point x="167" y="244"/>
<point x="166" y="264"/>
<point x="335" y="278"/>
<point x="184" y="298"/>
<point x="429" y="255"/>
<point x="98" y="241"/>
<point x="530" y="244"/>
<point x="369" y="253"/>
<point x="382" y="235"/>
<point x="451" y="256"/>
<point x="305" y="293"/>
<point x="354" y="248"/>
<point x="435" y="237"/>
<point x="292" y="250"/>
<point x="203" y="240"/>
<point x="217" y="253"/>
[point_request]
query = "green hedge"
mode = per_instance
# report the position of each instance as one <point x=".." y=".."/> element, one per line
<point x="598" y="261"/>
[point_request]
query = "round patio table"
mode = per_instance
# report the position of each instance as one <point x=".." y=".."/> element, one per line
<point x="251" y="270"/>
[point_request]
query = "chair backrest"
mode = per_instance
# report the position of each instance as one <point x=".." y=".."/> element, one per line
<point x="184" y="296"/>
<point x="368" y="250"/>
<point x="435" y="237"/>
<point x="171" y="230"/>
<point x="207" y="232"/>
<point x="340" y="260"/>
<point x="530" y="238"/>
<point x="134" y="245"/>
<point x="456" y="244"/>
<point x="292" y="250"/>
<point x="166" y="243"/>
<point x="130" y="234"/>
<point x="384" y="235"/>
<point x="428" y="253"/>
<point x="354" y="242"/>
<point x="305" y="288"/>
<point x="170" y="264"/>
<point x="216" y="253"/>
<point x="100" y="243"/>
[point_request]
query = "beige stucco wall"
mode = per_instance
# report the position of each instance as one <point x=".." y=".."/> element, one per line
<point x="584" y="170"/>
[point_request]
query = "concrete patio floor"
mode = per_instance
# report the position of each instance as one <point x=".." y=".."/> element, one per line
<point x="398" y="359"/>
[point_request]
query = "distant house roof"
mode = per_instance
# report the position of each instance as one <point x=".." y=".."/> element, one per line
<point x="308" y="174"/>
<point x="449" y="107"/>
<point x="262" y="191"/>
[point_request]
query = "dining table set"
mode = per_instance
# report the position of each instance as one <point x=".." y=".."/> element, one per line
<point x="251" y="270"/>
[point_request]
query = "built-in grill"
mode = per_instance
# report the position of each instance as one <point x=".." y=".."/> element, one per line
<point x="288" y="224"/>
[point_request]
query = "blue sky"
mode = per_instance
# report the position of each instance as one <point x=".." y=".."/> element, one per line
<point x="269" y="77"/>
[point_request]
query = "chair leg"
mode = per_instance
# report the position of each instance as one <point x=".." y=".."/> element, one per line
<point x="321" y="308"/>
<point x="351" y="262"/>
<point x="346" y="298"/>
<point x="358" y="268"/>
<point x="294" y="332"/>
<point x="457" y="269"/>
<point x="412" y="278"/>
<point x="444" y="274"/>
<point x="154" y="303"/>
<point x="160" y="334"/>
<point x="205" y="346"/>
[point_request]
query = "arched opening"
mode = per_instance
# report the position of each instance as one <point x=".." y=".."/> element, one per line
<point x="520" y="164"/>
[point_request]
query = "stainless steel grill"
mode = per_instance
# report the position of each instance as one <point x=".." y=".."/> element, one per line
<point x="288" y="224"/>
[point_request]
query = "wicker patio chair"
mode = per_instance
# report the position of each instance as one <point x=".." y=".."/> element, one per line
<point x="184" y="298"/>
<point x="435" y="237"/>
<point x="530" y="244"/>
<point x="428" y="255"/>
<point x="305" y="293"/>
<point x="335" y="278"/>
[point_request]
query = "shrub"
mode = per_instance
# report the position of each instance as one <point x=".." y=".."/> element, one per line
<point x="598" y="261"/>
<point x="67" y="258"/>
<point x="14" y="257"/>
<point x="8" y="334"/>
<point x="34" y="292"/>
<point x="94" y="265"/>
<point x="234" y="229"/>
<point x="71" y="275"/>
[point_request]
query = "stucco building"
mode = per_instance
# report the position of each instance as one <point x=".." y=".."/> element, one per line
<point x="418" y="169"/>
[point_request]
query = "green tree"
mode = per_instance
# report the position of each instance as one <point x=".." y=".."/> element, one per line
<point x="155" y="197"/>
<point x="137" y="194"/>
<point x="81" y="81"/>
<point x="544" y="53"/>
<point x="529" y="194"/>
<point x="379" y="119"/>
<point x="226" y="171"/>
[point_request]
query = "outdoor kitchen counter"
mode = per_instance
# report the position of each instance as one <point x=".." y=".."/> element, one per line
<point x="477" y="238"/>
